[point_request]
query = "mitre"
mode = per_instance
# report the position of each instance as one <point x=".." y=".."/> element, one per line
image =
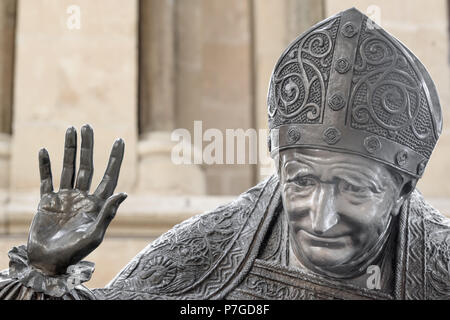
<point x="347" y="85"/>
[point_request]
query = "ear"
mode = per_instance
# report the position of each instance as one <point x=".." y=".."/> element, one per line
<point x="405" y="192"/>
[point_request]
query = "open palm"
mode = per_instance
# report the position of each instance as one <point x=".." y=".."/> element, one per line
<point x="71" y="223"/>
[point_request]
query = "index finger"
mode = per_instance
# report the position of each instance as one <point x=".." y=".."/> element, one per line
<point x="45" y="172"/>
<point x="109" y="182"/>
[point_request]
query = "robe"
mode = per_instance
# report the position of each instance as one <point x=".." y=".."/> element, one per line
<point x="240" y="251"/>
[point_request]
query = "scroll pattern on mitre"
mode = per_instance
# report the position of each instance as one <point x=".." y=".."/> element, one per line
<point x="298" y="85"/>
<point x="388" y="98"/>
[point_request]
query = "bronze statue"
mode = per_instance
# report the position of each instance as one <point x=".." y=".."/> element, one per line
<point x="353" y="118"/>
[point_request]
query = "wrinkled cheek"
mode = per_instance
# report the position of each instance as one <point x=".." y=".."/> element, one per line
<point x="293" y="199"/>
<point x="295" y="206"/>
<point x="367" y="231"/>
<point x="298" y="216"/>
<point x="379" y="218"/>
<point x="361" y="220"/>
<point x="360" y="239"/>
<point x="362" y="215"/>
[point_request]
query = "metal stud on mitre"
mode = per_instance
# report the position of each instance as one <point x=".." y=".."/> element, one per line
<point x="349" y="29"/>
<point x="421" y="167"/>
<point x="293" y="135"/>
<point x="372" y="144"/>
<point x="336" y="102"/>
<point x="401" y="158"/>
<point x="342" y="65"/>
<point x="331" y="135"/>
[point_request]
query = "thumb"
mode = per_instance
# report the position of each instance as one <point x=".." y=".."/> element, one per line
<point x="108" y="211"/>
<point x="110" y="207"/>
<point x="96" y="231"/>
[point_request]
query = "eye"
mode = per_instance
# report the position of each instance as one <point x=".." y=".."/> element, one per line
<point x="300" y="186"/>
<point x="305" y="182"/>
<point x="349" y="188"/>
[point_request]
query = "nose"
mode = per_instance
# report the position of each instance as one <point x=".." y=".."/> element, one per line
<point x="323" y="212"/>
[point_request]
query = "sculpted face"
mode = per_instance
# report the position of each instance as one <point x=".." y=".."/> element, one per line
<point x="339" y="207"/>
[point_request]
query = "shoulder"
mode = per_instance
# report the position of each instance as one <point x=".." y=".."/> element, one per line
<point x="204" y="248"/>
<point x="435" y="229"/>
<point x="428" y="213"/>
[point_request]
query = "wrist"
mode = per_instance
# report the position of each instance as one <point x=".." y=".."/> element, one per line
<point x="50" y="270"/>
<point x="47" y="263"/>
<point x="45" y="279"/>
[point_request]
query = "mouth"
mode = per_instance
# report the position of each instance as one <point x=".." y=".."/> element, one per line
<point x="335" y="242"/>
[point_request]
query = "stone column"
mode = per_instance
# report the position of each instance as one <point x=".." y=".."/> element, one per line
<point x="7" y="41"/>
<point x="5" y="153"/>
<point x="276" y="24"/>
<point x="156" y="65"/>
<point x="213" y="79"/>
<point x="157" y="94"/>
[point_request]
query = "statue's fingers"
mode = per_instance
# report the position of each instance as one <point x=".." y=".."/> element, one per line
<point x="45" y="172"/>
<point x="70" y="152"/>
<point x="86" y="169"/>
<point x="97" y="230"/>
<point x="109" y="182"/>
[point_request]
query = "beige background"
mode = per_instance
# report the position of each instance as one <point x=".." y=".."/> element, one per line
<point x="140" y="69"/>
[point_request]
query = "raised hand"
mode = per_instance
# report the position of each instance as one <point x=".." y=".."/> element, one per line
<point x="71" y="223"/>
